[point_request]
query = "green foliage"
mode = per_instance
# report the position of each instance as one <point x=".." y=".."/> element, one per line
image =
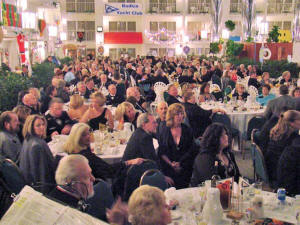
<point x="250" y="39"/>
<point x="274" y="34"/>
<point x="214" y="47"/>
<point x="42" y="74"/>
<point x="65" y="60"/>
<point x="230" y="25"/>
<point x="10" y="85"/>
<point x="233" y="49"/>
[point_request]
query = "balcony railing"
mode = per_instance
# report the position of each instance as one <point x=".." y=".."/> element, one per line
<point x="80" y="7"/>
<point x="236" y="7"/>
<point x="197" y="8"/>
<point x="162" y="8"/>
<point x="278" y="8"/>
<point x="195" y="36"/>
<point x="88" y="36"/>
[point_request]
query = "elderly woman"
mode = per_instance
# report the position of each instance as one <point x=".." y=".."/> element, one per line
<point x="176" y="147"/>
<point x="215" y="156"/>
<point x="126" y="113"/>
<point x="79" y="142"/>
<point x="240" y="92"/>
<point x="36" y="160"/>
<point x="97" y="113"/>
<point x="286" y="78"/>
<point x="266" y="79"/>
<point x="147" y="206"/>
<point x="281" y="136"/>
<point x="204" y="93"/>
<point x="77" y="108"/>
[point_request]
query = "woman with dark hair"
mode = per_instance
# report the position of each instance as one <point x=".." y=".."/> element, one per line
<point x="204" y="93"/>
<point x="50" y="92"/>
<point x="215" y="156"/>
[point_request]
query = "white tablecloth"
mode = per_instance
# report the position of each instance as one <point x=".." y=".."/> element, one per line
<point x="188" y="211"/>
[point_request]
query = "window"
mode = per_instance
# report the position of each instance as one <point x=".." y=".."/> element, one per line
<point x="199" y="6"/>
<point x="283" y="25"/>
<point x="80" y="6"/>
<point x="280" y="6"/>
<point x="116" y="53"/>
<point x="162" y="52"/>
<point x="122" y="26"/>
<point x="194" y="30"/>
<point x="235" y="6"/>
<point x="157" y="26"/>
<point x="86" y="26"/>
<point x="162" y="6"/>
<point x="129" y="1"/>
<point x="199" y="51"/>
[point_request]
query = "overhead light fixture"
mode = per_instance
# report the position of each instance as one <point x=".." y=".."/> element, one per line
<point x="99" y="29"/>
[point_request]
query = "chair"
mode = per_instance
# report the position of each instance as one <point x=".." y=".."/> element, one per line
<point x="132" y="81"/>
<point x="252" y="91"/>
<point x="224" y="119"/>
<point x="159" y="88"/>
<point x="154" y="177"/>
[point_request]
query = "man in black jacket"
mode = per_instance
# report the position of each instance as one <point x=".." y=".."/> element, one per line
<point x="113" y="98"/>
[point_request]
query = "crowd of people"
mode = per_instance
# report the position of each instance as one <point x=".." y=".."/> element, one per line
<point x="191" y="147"/>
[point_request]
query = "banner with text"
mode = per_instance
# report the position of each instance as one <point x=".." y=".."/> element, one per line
<point x="123" y="9"/>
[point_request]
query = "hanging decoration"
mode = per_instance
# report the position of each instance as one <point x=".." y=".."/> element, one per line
<point x="163" y="36"/>
<point x="10" y="17"/>
<point x="216" y="15"/>
<point x="248" y="14"/>
<point x="21" y="43"/>
<point x="42" y="26"/>
<point x="186" y="49"/>
<point x="80" y="36"/>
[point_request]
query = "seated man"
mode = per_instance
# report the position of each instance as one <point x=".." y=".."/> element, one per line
<point x="75" y="188"/>
<point x="173" y="95"/>
<point x="58" y="121"/>
<point x="113" y="98"/>
<point x="81" y="89"/>
<point x="140" y="102"/>
<point x="90" y="87"/>
<point x="31" y="102"/>
<point x="10" y="145"/>
<point x="265" y="97"/>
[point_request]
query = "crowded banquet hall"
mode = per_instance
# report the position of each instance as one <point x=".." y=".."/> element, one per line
<point x="131" y="112"/>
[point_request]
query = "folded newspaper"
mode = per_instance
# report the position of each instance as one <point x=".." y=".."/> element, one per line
<point x="31" y="207"/>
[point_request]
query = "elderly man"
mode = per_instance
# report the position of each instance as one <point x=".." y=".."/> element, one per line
<point x="113" y="98"/>
<point x="10" y="145"/>
<point x="134" y="92"/>
<point x="31" y="102"/>
<point x="90" y="87"/>
<point x="81" y="89"/>
<point x="58" y="121"/>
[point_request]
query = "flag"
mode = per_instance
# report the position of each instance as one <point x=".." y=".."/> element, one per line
<point x="42" y="26"/>
<point x="10" y="17"/>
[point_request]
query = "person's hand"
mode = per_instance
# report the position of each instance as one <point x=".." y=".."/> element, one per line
<point x="66" y="130"/>
<point x="118" y="214"/>
<point x="176" y="166"/>
<point x="54" y="134"/>
<point x="169" y="181"/>
<point x="136" y="161"/>
<point x="218" y="111"/>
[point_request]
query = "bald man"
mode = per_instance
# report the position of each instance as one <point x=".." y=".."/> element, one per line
<point x="31" y="102"/>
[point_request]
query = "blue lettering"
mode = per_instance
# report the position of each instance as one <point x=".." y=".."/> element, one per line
<point x="130" y="6"/>
<point x="136" y="13"/>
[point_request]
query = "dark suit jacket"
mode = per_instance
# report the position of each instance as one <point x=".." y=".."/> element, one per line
<point x="171" y="100"/>
<point x="114" y="101"/>
<point x="275" y="106"/>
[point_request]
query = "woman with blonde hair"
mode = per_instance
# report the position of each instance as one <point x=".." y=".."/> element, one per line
<point x="126" y="113"/>
<point x="97" y="113"/>
<point x="176" y="146"/>
<point x="147" y="206"/>
<point x="36" y="160"/>
<point x="79" y="142"/>
<point x="77" y="107"/>
<point x="281" y="136"/>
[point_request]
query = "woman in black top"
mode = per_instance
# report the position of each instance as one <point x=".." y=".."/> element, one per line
<point x="215" y="156"/>
<point x="240" y="92"/>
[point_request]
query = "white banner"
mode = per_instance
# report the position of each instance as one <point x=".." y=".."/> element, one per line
<point x="123" y="9"/>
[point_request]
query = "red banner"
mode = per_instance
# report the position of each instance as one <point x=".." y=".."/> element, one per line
<point x="123" y="38"/>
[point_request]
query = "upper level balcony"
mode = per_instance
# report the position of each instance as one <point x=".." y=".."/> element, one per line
<point x="280" y="8"/>
<point x="162" y="8"/>
<point x="199" y="7"/>
<point x="80" y="6"/>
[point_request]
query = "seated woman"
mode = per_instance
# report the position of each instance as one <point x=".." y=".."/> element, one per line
<point x="286" y="78"/>
<point x="97" y="113"/>
<point x="176" y="147"/>
<point x="126" y="113"/>
<point x="147" y="206"/>
<point x="240" y="92"/>
<point x="79" y="142"/>
<point x="36" y="160"/>
<point x="77" y="108"/>
<point x="281" y="136"/>
<point x="204" y="93"/>
<point x="266" y="79"/>
<point x="215" y="156"/>
<point x="296" y="92"/>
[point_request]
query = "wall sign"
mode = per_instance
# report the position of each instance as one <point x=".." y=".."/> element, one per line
<point x="125" y="9"/>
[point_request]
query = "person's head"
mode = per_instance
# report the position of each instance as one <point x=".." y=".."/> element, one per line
<point x="29" y="100"/>
<point x="249" y="67"/>
<point x="125" y="109"/>
<point x="147" y="206"/>
<point x="22" y="112"/>
<point x="240" y="89"/>
<point x="283" y="90"/>
<point x="9" y="121"/>
<point x="35" y="92"/>
<point x="90" y="83"/>
<point x="56" y="107"/>
<point x="81" y="87"/>
<point x="61" y="84"/>
<point x="286" y="75"/>
<point x="296" y="92"/>
<point x="203" y="71"/>
<point x="35" y="125"/>
<point x="288" y="122"/>
<point x="189" y="96"/>
<point x="178" y="70"/>
<point x="253" y="74"/>
<point x="76" y="101"/>
<point x="242" y="66"/>
<point x="266" y="89"/>
<point x="134" y="92"/>
<point x="175" y="115"/>
<point x="205" y="87"/>
<point x="112" y="89"/>
<point x="147" y="122"/>
<point x="172" y="90"/>
<point x="78" y="139"/>
<point x="265" y="76"/>
<point x="74" y="171"/>
<point x="215" y="138"/>
<point x="98" y="99"/>
<point x="162" y="108"/>
<point x="103" y="78"/>
<point x="51" y="91"/>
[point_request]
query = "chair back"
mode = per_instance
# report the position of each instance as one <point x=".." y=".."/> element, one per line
<point x="159" y="88"/>
<point x="259" y="163"/>
<point x="154" y="177"/>
<point x="252" y="91"/>
<point x="254" y="123"/>
<point x="222" y="118"/>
